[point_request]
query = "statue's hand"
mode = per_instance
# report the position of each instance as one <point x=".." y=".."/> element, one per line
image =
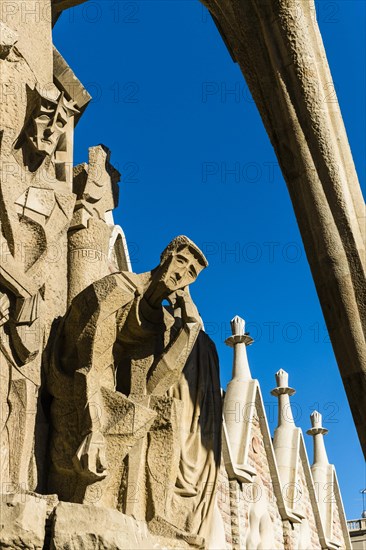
<point x="4" y="308"/>
<point x="181" y="297"/>
<point x="90" y="460"/>
<point x="173" y="299"/>
<point x="183" y="300"/>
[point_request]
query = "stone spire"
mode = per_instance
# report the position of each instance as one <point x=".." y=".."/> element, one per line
<point x="283" y="392"/>
<point x="239" y="403"/>
<point x="323" y="473"/>
<point x="286" y="439"/>
<point x="318" y="432"/>
<point x="239" y="341"/>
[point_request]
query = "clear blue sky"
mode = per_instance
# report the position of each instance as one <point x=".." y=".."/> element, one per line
<point x="185" y="133"/>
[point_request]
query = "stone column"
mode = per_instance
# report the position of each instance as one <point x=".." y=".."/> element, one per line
<point x="283" y="392"/>
<point x="235" y="399"/>
<point x="239" y="341"/>
<point x="323" y="473"/>
<point x="317" y="431"/>
<point x="286" y="438"/>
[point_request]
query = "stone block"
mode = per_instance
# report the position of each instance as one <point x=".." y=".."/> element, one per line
<point x="90" y="527"/>
<point x="22" y="522"/>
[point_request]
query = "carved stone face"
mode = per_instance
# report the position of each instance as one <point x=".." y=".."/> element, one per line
<point x="48" y="125"/>
<point x="179" y="270"/>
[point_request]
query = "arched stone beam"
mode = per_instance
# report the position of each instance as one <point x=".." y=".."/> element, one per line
<point x="58" y="6"/>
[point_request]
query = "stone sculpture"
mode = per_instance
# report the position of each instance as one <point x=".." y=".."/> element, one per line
<point x="96" y="246"/>
<point x="109" y="387"/>
<point x="45" y="133"/>
<point x="36" y="209"/>
<point x="145" y="386"/>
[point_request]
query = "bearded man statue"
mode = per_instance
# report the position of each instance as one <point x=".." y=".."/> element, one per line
<point x="136" y="410"/>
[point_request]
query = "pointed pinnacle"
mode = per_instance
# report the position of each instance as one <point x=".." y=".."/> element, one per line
<point x="237" y="326"/>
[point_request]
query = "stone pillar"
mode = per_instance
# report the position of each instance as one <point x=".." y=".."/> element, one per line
<point x="283" y="392"/>
<point x="286" y="438"/>
<point x="322" y="472"/>
<point x="239" y="341"/>
<point x="235" y="399"/>
<point x="317" y="431"/>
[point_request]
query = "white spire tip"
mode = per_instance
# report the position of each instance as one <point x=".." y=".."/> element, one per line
<point x="237" y="326"/>
<point x="281" y="378"/>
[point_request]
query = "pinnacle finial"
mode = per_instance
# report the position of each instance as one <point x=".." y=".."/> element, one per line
<point x="237" y="326"/>
<point x="283" y="393"/>
<point x="316" y="424"/>
<point x="317" y="431"/>
<point x="238" y="334"/>
<point x="281" y="378"/>
<point x="316" y="419"/>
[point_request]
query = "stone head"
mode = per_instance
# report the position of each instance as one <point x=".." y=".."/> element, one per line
<point x="180" y="264"/>
<point x="48" y="123"/>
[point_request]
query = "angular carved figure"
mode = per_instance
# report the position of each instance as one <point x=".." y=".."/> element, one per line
<point x="45" y="133"/>
<point x="136" y="398"/>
